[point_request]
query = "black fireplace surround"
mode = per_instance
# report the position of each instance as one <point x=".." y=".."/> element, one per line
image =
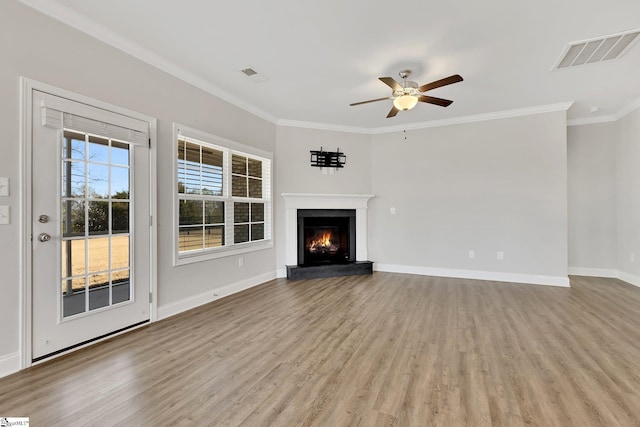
<point x="327" y="245"/>
<point x="326" y="236"/>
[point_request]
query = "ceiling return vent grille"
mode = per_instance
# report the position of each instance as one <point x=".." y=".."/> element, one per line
<point x="597" y="50"/>
<point x="253" y="74"/>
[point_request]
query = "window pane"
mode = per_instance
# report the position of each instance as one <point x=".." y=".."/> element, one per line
<point x="255" y="168"/>
<point x="73" y="179"/>
<point x="255" y="188"/>
<point x="212" y="161"/>
<point x="99" y="291"/>
<point x="189" y="238"/>
<point x="72" y="218"/>
<point x="98" y="181"/>
<point x="214" y="236"/>
<point x="73" y="257"/>
<point x="213" y="212"/>
<point x="98" y="254"/>
<point x="119" y="252"/>
<point x="241" y="233"/>
<point x="120" y="286"/>
<point x="190" y="212"/>
<point x="238" y="186"/>
<point x="119" y="153"/>
<point x="120" y="217"/>
<point x="190" y="169"/>
<point x="73" y="146"/>
<point x="98" y="218"/>
<point x="73" y="297"/>
<point x="238" y="164"/>
<point x="257" y="231"/>
<point x="240" y="212"/>
<point x="257" y="212"/>
<point x="119" y="183"/>
<point x="98" y="149"/>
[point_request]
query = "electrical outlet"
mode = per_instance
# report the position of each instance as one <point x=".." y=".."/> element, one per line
<point x="500" y="255"/>
<point x="472" y="254"/>
<point x="4" y="186"/>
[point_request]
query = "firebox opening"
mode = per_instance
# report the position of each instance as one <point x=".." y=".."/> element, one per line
<point x="326" y="237"/>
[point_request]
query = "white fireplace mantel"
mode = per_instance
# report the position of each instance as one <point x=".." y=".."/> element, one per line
<point x="295" y="201"/>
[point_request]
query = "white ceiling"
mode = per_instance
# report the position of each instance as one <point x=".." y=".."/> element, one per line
<point x="321" y="55"/>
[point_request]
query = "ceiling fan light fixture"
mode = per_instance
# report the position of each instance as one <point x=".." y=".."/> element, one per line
<point x="405" y="102"/>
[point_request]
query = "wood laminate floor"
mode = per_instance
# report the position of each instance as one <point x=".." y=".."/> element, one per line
<point x="381" y="350"/>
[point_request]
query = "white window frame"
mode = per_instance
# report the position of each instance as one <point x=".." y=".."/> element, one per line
<point x="228" y="147"/>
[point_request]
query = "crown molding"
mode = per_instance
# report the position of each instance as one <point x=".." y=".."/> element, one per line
<point x="476" y="118"/>
<point x="323" y="126"/>
<point x="629" y="108"/>
<point x="75" y="20"/>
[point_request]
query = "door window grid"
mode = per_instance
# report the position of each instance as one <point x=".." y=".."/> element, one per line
<point x="96" y="238"/>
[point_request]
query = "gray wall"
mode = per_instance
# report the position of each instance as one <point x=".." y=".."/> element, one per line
<point x="43" y="49"/>
<point x="498" y="185"/>
<point x="592" y="196"/>
<point x="628" y="193"/>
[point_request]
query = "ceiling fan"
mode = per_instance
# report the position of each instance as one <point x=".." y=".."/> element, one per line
<point x="406" y="95"/>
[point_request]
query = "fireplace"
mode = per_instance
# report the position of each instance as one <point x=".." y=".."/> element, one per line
<point x="326" y="236"/>
<point x="318" y="255"/>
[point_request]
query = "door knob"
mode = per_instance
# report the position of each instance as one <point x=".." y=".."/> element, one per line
<point x="44" y="237"/>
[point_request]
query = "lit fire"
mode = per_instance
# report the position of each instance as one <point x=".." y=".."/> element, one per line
<point x="323" y="244"/>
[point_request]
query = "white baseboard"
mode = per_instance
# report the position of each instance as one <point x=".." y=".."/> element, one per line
<point x="531" y="279"/>
<point x="281" y="273"/>
<point x="594" y="272"/>
<point x="209" y="296"/>
<point x="9" y="364"/>
<point x="632" y="279"/>
<point x="629" y="278"/>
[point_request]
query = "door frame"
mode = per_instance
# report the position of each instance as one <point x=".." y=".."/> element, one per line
<point x="27" y="86"/>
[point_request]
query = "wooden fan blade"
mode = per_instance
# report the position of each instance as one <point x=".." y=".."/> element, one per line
<point x="371" y="100"/>
<point x="393" y="112"/>
<point x="442" y="82"/>
<point x="436" y="101"/>
<point x="391" y="83"/>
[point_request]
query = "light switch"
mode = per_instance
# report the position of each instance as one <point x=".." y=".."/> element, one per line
<point x="4" y="186"/>
<point x="4" y="215"/>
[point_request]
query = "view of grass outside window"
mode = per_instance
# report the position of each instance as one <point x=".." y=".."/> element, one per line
<point x="223" y="197"/>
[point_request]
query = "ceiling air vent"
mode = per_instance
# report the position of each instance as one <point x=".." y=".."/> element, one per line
<point x="254" y="75"/>
<point x="597" y="50"/>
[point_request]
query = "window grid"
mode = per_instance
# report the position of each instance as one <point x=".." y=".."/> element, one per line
<point x="220" y="227"/>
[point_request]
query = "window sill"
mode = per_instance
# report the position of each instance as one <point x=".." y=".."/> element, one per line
<point x="190" y="258"/>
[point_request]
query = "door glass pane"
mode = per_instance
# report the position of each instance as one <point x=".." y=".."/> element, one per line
<point x="73" y="292"/>
<point x="98" y="217"/>
<point x="120" y="286"/>
<point x="99" y="291"/>
<point x="95" y="215"/>
<point x="98" y="149"/>
<point x="73" y="179"/>
<point x="120" y="252"/>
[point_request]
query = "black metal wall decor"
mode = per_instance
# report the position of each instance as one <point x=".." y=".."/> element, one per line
<point x="328" y="159"/>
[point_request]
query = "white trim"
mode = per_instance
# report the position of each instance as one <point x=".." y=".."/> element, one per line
<point x="99" y="32"/>
<point x="27" y="86"/>
<point x="9" y="364"/>
<point x="498" y="276"/>
<point x="281" y="273"/>
<point x="629" y="108"/>
<point x="629" y="278"/>
<point x="323" y="126"/>
<point x="213" y="295"/>
<point x="594" y="272"/>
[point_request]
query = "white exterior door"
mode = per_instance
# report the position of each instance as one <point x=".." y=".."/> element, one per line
<point x="90" y="225"/>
